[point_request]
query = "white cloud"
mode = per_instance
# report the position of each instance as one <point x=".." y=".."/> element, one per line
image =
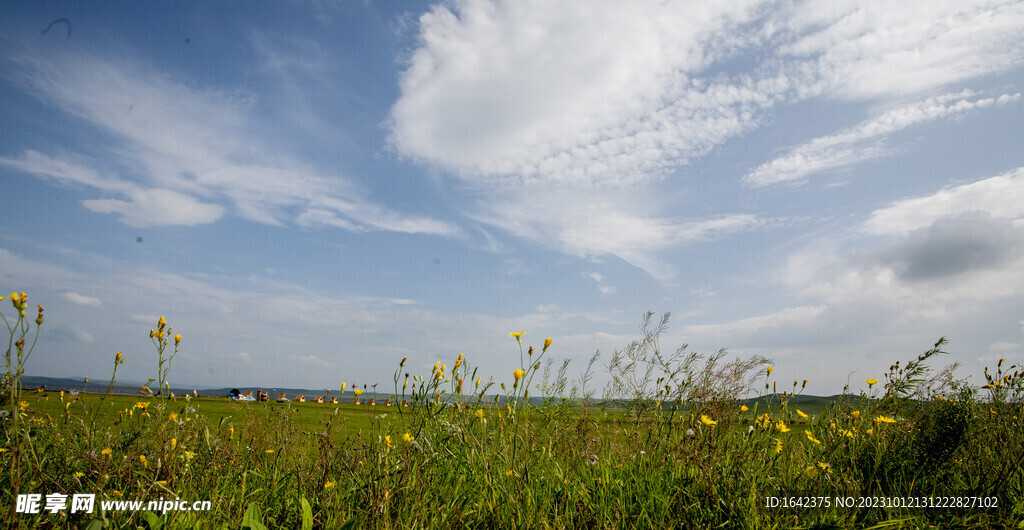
<point x="81" y="335"/>
<point x="936" y="260"/>
<point x="865" y="141"/>
<point x="158" y="207"/>
<point x="601" y="92"/>
<point x="77" y="299"/>
<point x="594" y="223"/>
<point x="598" y="278"/>
<point x="586" y="112"/>
<point x="855" y="49"/>
<point x="792" y="316"/>
<point x="313" y="360"/>
<point x="201" y="144"/>
<point x="149" y="320"/>
<point x="244" y="357"/>
<point x="1001" y="196"/>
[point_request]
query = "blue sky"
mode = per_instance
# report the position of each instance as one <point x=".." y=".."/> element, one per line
<point x="310" y="191"/>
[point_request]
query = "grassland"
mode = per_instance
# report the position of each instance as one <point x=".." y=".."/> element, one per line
<point x="679" y="448"/>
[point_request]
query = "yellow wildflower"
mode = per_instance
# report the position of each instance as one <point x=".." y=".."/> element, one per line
<point x="781" y="426"/>
<point x="408" y="438"/>
<point x="510" y="473"/>
<point x="811" y="437"/>
<point x="547" y="343"/>
<point x="231" y="432"/>
<point x="518" y="374"/>
<point x="174" y="443"/>
<point x="106" y="451"/>
<point x="329" y="485"/>
<point x="269" y="451"/>
<point x="142" y="459"/>
<point x="825" y="467"/>
<point x="357" y="391"/>
<point x="769" y="371"/>
<point x="871" y="382"/>
<point x="172" y="417"/>
<point x="387" y="440"/>
<point x="744" y="408"/>
<point x="884" y="419"/>
<point x="855" y="414"/>
<point x="479" y="414"/>
<point x="23" y="405"/>
<point x="870" y="431"/>
<point x="516" y="335"/>
<point x="79" y="474"/>
<point x="177" y="339"/>
<point x="708" y="421"/>
<point x="802" y="413"/>
<point x="778" y="445"/>
<point x="116" y="493"/>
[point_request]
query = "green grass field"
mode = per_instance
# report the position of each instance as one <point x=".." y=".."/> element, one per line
<point x="680" y="448"/>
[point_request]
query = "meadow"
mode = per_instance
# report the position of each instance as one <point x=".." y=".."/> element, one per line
<point x="678" y="439"/>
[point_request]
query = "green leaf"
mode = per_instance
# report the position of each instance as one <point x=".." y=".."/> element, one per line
<point x="153" y="520"/>
<point x="252" y="519"/>
<point x="95" y="524"/>
<point x="307" y="514"/>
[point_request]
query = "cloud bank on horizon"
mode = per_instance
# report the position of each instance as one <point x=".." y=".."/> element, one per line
<point x="314" y="189"/>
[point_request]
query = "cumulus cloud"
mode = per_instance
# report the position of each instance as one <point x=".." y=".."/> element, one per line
<point x="1001" y="196"/>
<point x="78" y="299"/>
<point x="954" y="254"/>
<point x="955" y="244"/>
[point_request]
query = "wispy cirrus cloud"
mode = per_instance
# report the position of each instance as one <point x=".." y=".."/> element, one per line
<point x="866" y="140"/>
<point x="854" y="50"/>
<point x="174" y="153"/>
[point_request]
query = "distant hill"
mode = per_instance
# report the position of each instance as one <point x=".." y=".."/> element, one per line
<point x="57" y="384"/>
<point x="66" y="383"/>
